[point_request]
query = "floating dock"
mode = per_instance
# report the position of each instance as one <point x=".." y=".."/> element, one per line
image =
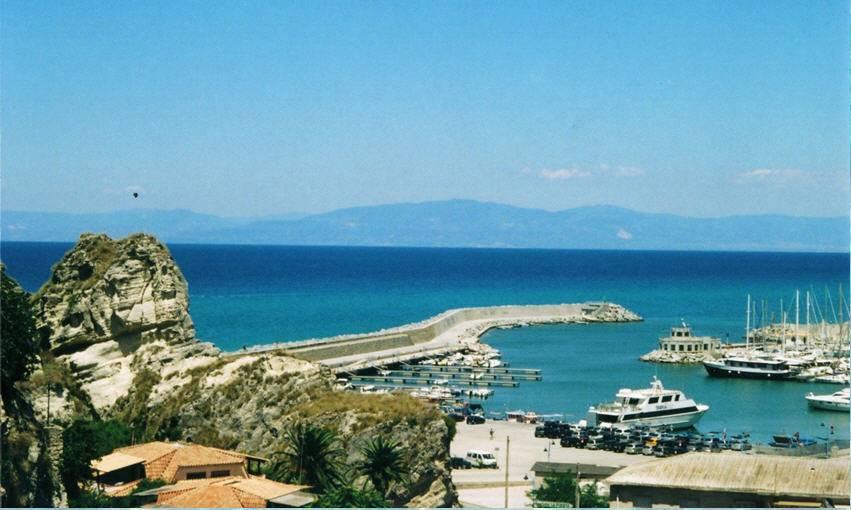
<point x="427" y="381"/>
<point x="461" y="376"/>
<point x="455" y="369"/>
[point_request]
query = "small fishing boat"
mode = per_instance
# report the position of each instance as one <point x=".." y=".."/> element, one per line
<point x="793" y="441"/>
<point x="838" y="401"/>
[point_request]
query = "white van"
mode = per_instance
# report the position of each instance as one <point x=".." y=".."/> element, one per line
<point x="481" y="458"/>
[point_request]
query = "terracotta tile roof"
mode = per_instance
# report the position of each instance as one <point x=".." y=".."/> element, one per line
<point x="252" y="492"/>
<point x="116" y="491"/>
<point x="264" y="488"/>
<point x="209" y="496"/>
<point x="149" y="451"/>
<point x="197" y="455"/>
<point x="162" y="460"/>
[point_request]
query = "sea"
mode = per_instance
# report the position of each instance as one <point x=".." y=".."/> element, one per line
<point x="247" y="295"/>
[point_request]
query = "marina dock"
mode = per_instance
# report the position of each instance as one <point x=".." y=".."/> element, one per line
<point x="427" y="381"/>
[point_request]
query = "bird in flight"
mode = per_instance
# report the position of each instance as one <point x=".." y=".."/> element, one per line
<point x="135" y="194"/>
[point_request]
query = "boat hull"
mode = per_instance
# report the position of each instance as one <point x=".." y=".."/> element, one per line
<point x="828" y="405"/>
<point x="721" y="370"/>
<point x="674" y="421"/>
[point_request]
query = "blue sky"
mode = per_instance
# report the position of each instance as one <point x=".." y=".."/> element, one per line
<point x="261" y="108"/>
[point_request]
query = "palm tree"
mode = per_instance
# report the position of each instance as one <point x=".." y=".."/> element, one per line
<point x="382" y="464"/>
<point x="310" y="455"/>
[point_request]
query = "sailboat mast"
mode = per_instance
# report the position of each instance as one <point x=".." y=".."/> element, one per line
<point x="807" y="331"/>
<point x="783" y="328"/>
<point x="797" y="314"/>
<point x="748" y="325"/>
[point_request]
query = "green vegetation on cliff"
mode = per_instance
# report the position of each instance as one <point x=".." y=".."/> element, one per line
<point x="19" y="347"/>
<point x="83" y="442"/>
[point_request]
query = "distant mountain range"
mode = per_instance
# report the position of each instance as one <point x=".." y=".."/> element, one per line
<point x="452" y="223"/>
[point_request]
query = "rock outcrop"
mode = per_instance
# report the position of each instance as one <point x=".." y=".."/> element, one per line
<point x="117" y="314"/>
<point x="111" y="307"/>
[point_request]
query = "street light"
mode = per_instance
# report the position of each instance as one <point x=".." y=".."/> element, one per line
<point x="828" y="438"/>
<point x="549" y="449"/>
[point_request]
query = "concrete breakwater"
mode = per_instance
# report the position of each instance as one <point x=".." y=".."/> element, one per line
<point x="450" y="331"/>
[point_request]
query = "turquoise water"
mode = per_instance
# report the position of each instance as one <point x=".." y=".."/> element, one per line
<point x="244" y="295"/>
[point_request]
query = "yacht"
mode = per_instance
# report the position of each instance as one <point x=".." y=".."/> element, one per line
<point x="749" y="368"/>
<point x="650" y="406"/>
<point x="839" y="401"/>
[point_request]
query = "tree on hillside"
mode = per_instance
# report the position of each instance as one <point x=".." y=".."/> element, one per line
<point x="382" y="464"/>
<point x="19" y="345"/>
<point x="310" y="455"/>
<point x="562" y="489"/>
<point x="83" y="442"/>
<point x="346" y="495"/>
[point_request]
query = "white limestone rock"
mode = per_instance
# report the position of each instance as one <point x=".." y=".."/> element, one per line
<point x="112" y="308"/>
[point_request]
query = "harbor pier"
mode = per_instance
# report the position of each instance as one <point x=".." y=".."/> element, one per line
<point x="452" y="331"/>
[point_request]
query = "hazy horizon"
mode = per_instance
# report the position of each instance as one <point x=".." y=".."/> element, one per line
<point x="287" y="215"/>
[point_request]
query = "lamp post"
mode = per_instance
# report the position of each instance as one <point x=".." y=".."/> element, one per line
<point x="828" y="438"/>
<point x="549" y="449"/>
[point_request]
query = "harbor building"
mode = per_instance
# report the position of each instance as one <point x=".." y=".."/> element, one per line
<point x="682" y="341"/>
<point x="717" y="480"/>
<point x="583" y="471"/>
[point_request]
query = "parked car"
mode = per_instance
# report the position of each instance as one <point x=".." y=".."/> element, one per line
<point x="662" y="451"/>
<point x="460" y="463"/>
<point x="647" y="450"/>
<point x="481" y="459"/>
<point x="475" y="419"/>
<point x="632" y="449"/>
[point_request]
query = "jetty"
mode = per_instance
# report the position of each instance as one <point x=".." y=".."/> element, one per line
<point x="449" y="332"/>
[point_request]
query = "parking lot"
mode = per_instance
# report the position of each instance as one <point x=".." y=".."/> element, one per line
<point x="485" y="487"/>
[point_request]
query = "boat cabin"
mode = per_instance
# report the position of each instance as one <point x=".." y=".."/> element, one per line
<point x="639" y="398"/>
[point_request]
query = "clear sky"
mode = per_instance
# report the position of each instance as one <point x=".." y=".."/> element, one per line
<point x="261" y="108"/>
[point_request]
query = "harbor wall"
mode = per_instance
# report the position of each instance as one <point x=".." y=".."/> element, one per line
<point x="480" y="320"/>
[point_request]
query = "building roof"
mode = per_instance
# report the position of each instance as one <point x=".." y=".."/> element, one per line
<point x="545" y="468"/>
<point x="115" y="461"/>
<point x="294" y="500"/>
<point x="149" y="451"/>
<point x="116" y="491"/>
<point x="162" y="460"/>
<point x="265" y="488"/>
<point x="246" y="492"/>
<point x="733" y="472"/>
<point x="207" y="496"/>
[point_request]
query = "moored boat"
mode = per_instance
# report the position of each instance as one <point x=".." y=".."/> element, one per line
<point x="655" y="406"/>
<point x="749" y="368"/>
<point x="839" y="401"/>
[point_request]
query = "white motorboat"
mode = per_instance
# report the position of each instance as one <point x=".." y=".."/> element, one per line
<point x="650" y="406"/>
<point x="838" y="401"/>
<point x="834" y="378"/>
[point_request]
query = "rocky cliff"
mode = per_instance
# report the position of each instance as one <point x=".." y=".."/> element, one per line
<point x="117" y="314"/>
<point x="111" y="306"/>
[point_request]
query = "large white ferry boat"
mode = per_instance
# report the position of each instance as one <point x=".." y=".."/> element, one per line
<point x="839" y="401"/>
<point x="653" y="406"/>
